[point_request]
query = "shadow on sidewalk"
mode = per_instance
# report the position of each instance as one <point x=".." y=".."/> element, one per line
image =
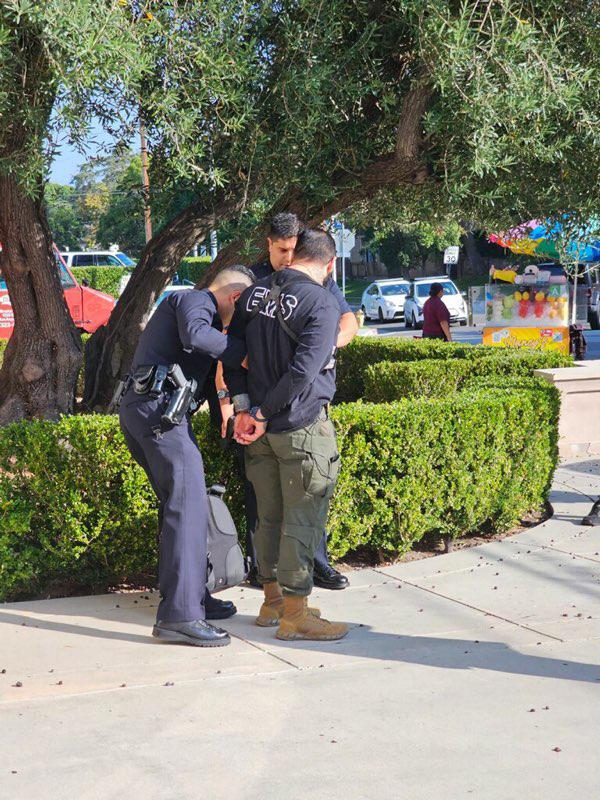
<point x="588" y="467"/>
<point x="362" y="642"/>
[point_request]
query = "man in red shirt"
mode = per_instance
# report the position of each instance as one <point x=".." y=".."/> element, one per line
<point x="436" y="317"/>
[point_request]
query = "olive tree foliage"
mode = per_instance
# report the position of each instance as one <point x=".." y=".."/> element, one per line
<point x="510" y="129"/>
<point x="480" y="110"/>
<point x="248" y="99"/>
<point x="55" y="57"/>
<point x="485" y="111"/>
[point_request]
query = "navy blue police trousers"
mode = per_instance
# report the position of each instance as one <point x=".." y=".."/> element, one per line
<point x="173" y="464"/>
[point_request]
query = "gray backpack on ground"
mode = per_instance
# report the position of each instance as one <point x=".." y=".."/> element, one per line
<point x="226" y="566"/>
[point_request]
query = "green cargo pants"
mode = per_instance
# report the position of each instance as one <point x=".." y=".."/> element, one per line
<point x="293" y="474"/>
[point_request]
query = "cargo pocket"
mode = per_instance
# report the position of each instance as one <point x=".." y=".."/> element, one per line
<point x="321" y="466"/>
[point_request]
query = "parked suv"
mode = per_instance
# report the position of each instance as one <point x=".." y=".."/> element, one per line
<point x="97" y="258"/>
<point x="89" y="308"/>
<point x="385" y="299"/>
<point x="419" y="293"/>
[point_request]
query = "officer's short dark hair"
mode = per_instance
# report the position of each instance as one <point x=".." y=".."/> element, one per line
<point x="285" y="226"/>
<point x="314" y="245"/>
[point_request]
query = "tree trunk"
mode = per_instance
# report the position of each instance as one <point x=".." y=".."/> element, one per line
<point x="43" y="356"/>
<point x="110" y="350"/>
<point x="386" y="172"/>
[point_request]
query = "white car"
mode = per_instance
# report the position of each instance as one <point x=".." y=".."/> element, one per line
<point x="419" y="294"/>
<point x="385" y="299"/>
<point x="97" y="258"/>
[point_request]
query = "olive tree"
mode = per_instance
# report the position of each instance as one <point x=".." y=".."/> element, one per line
<point x="55" y="57"/>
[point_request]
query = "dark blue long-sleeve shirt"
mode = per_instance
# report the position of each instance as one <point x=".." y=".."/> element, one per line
<point x="291" y="382"/>
<point x="186" y="329"/>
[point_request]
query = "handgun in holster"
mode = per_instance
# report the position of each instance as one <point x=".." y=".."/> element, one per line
<point x="119" y="393"/>
<point x="182" y="399"/>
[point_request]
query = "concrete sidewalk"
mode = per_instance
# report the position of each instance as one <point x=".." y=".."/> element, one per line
<point x="473" y="674"/>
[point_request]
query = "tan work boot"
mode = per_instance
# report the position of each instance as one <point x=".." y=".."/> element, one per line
<point x="271" y="610"/>
<point x="297" y="623"/>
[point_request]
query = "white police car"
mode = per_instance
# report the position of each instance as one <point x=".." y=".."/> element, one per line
<point x="384" y="299"/>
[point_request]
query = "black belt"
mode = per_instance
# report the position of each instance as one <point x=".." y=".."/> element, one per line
<point x="155" y="379"/>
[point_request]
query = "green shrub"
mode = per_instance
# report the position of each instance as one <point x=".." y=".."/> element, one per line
<point x="75" y="509"/>
<point x="3" y="343"/>
<point x="192" y="269"/>
<point x="388" y="381"/>
<point x="441" y="466"/>
<point x="104" y="279"/>
<point x="353" y="360"/>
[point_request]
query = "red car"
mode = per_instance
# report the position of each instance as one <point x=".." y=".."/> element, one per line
<point x="89" y="308"/>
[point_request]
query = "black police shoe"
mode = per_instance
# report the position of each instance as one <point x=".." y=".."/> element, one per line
<point x="197" y="632"/>
<point x="593" y="518"/>
<point x="218" y="609"/>
<point x="329" y="578"/>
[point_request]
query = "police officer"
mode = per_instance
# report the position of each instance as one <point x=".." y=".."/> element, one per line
<point x="281" y="241"/>
<point x="290" y="323"/>
<point x="186" y="329"/>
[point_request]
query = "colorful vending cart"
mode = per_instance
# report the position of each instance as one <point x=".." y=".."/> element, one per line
<point x="532" y="315"/>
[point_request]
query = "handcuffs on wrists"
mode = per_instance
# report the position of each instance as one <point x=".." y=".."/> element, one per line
<point x="254" y="414"/>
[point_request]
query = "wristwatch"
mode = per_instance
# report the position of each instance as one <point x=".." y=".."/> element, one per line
<point x="222" y="394"/>
<point x="254" y="414"/>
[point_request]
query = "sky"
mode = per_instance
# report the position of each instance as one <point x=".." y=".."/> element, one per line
<point x="67" y="162"/>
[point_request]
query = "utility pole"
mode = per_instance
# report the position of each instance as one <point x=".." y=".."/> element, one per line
<point x="145" y="181"/>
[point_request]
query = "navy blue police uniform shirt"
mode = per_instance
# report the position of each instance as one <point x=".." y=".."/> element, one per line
<point x="289" y="381"/>
<point x="264" y="269"/>
<point x="186" y="329"/>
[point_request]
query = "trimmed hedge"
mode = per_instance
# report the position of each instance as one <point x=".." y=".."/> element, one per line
<point x="442" y="466"/>
<point x="74" y="507"/>
<point x="75" y="510"/>
<point x="387" y="381"/>
<point x="104" y="279"/>
<point x="353" y="360"/>
<point x="193" y="268"/>
<point x="108" y="279"/>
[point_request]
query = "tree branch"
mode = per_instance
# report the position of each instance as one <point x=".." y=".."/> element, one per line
<point x="404" y="165"/>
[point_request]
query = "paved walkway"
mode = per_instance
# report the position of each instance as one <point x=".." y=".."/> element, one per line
<point x="473" y="674"/>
